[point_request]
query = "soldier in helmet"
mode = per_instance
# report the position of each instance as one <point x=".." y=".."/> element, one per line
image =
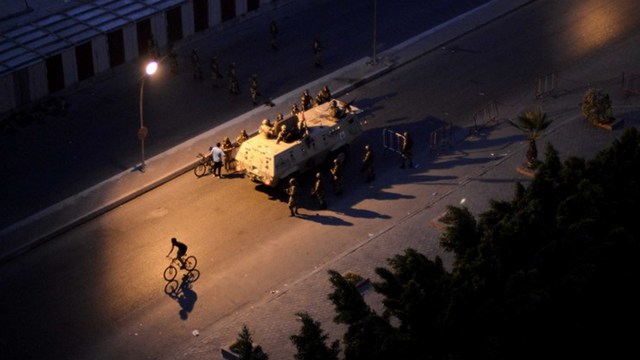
<point x="173" y="59"/>
<point x="336" y="176"/>
<point x="319" y="192"/>
<point x="305" y="101"/>
<point x="242" y="137"/>
<point x="323" y="96"/>
<point x="216" y="76"/>
<point x="317" y="49"/>
<point x="407" y="149"/>
<point x="233" y="80"/>
<point x="195" y="63"/>
<point x="367" y="163"/>
<point x="334" y="110"/>
<point x="227" y="148"/>
<point x="293" y="193"/>
<point x="266" y="128"/>
<point x="273" y="29"/>
<point x="283" y="135"/>
<point x="294" y="109"/>
<point x="253" y="88"/>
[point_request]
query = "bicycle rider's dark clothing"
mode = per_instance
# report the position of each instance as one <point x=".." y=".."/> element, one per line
<point x="182" y="249"/>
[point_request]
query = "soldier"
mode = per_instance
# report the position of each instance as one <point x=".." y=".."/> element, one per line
<point x="195" y="62"/>
<point x="334" y="110"/>
<point x="336" y="176"/>
<point x="292" y="191"/>
<point x="233" y="81"/>
<point x="305" y="101"/>
<point x="265" y="128"/>
<point x="173" y="59"/>
<point x="254" y="89"/>
<point x="283" y="135"/>
<point x="242" y="137"/>
<point x="318" y="191"/>
<point x="302" y="129"/>
<point x="317" y="49"/>
<point x="273" y="28"/>
<point x="216" y="76"/>
<point x="407" y="149"/>
<point x="324" y="95"/>
<point x="227" y="148"/>
<point x="152" y="48"/>
<point x="294" y="109"/>
<point x="367" y="163"/>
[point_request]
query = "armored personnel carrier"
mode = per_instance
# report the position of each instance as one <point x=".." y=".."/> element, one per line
<point x="316" y="135"/>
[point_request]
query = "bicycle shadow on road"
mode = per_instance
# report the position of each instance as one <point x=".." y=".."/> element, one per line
<point x="185" y="296"/>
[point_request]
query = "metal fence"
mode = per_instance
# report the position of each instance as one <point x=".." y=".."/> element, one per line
<point x="546" y="85"/>
<point x="631" y="83"/>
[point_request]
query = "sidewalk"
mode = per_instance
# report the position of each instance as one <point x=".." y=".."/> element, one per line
<point x="128" y="185"/>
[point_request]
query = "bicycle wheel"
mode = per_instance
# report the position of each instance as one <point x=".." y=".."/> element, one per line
<point x="171" y="288"/>
<point x="200" y="170"/>
<point x="190" y="263"/>
<point x="170" y="273"/>
<point x="193" y="275"/>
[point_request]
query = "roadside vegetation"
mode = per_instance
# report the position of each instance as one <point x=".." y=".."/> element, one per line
<point x="552" y="273"/>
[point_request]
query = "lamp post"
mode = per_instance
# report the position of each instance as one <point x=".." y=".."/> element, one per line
<point x="151" y="68"/>
<point x="374" y="59"/>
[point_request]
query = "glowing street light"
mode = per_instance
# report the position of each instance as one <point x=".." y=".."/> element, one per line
<point x="151" y="68"/>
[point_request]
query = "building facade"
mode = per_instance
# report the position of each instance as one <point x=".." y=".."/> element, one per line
<point x="56" y="52"/>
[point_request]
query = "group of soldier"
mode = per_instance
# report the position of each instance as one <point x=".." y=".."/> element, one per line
<point x="318" y="190"/>
<point x="216" y="75"/>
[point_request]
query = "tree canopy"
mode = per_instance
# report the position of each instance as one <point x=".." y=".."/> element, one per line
<point x="550" y="273"/>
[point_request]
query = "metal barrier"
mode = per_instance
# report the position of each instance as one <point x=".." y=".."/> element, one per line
<point x="441" y="138"/>
<point x="631" y="83"/>
<point x="392" y="140"/>
<point x="545" y="85"/>
<point x="485" y="116"/>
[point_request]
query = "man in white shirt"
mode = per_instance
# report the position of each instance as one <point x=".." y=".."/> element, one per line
<point x="217" y="155"/>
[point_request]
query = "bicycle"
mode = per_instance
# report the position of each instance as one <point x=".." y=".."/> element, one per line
<point x="188" y="264"/>
<point x="204" y="167"/>
<point x="174" y="288"/>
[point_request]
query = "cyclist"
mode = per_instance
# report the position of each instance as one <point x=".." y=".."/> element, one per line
<point x="182" y="250"/>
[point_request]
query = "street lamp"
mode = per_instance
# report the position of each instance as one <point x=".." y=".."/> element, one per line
<point x="374" y="59"/>
<point x="151" y="68"/>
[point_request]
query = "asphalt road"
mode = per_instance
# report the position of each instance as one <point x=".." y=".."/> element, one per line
<point x="96" y="292"/>
<point x="45" y="163"/>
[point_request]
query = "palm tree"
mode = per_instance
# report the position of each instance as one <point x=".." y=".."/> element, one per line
<point x="596" y="106"/>
<point x="532" y="122"/>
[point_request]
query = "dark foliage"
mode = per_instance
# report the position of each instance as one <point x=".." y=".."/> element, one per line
<point x="311" y="343"/>
<point x="550" y="273"/>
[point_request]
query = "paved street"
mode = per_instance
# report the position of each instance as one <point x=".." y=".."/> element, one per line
<point x="102" y="280"/>
<point x="97" y="139"/>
